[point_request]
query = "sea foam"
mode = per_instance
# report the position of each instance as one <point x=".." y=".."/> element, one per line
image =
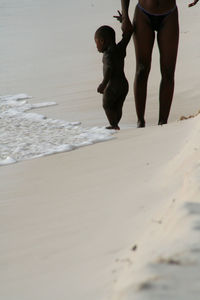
<point x="26" y="135"/>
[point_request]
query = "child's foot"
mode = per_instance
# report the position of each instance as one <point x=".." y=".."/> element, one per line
<point x="162" y="123"/>
<point x="140" y="124"/>
<point x="113" y="127"/>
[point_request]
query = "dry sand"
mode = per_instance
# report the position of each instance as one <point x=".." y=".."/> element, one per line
<point x="118" y="220"/>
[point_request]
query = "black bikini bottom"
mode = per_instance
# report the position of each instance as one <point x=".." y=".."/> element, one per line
<point x="156" y="20"/>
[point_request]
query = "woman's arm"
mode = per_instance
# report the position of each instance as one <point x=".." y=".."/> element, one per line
<point x="126" y="36"/>
<point x="193" y="3"/>
<point x="126" y="23"/>
<point x="125" y="7"/>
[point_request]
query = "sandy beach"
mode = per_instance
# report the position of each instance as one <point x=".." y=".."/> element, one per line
<point x="117" y="220"/>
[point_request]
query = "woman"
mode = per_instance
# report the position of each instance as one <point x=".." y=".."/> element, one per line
<point x="152" y="16"/>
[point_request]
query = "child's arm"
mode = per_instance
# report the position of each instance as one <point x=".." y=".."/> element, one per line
<point x="193" y="3"/>
<point x="107" y="74"/>
<point x="127" y="32"/>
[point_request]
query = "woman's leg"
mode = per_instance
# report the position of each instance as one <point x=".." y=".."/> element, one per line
<point x="168" y="38"/>
<point x="144" y="40"/>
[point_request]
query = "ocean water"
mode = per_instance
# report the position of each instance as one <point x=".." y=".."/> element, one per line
<point x="25" y="134"/>
<point x="48" y="51"/>
<point x="47" y="54"/>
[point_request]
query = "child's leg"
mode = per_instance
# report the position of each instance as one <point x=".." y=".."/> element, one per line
<point x="119" y="113"/>
<point x="120" y="106"/>
<point x="112" y="118"/>
<point x="109" y="105"/>
<point x="120" y="102"/>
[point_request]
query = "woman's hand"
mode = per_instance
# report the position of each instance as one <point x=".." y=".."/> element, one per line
<point x="193" y="3"/>
<point x="126" y="24"/>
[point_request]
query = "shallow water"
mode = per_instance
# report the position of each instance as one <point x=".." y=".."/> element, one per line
<point x="25" y="134"/>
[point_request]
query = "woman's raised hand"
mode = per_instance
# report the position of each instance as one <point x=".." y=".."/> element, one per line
<point x="193" y="3"/>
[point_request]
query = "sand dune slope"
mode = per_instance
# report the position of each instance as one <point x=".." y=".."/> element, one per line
<point x="166" y="264"/>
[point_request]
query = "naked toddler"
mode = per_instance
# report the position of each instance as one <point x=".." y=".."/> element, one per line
<point x="114" y="86"/>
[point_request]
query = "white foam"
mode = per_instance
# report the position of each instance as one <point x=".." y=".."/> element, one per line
<point x="26" y="135"/>
<point x="7" y="161"/>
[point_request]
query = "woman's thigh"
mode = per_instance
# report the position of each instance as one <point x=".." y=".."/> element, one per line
<point x="144" y="37"/>
<point x="168" y="38"/>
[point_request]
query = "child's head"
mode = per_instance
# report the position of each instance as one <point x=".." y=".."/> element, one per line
<point x="104" y="37"/>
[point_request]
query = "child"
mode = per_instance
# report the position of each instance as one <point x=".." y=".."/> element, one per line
<point x="114" y="86"/>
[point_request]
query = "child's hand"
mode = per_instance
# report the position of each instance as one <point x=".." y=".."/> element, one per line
<point x="119" y="18"/>
<point x="101" y="88"/>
